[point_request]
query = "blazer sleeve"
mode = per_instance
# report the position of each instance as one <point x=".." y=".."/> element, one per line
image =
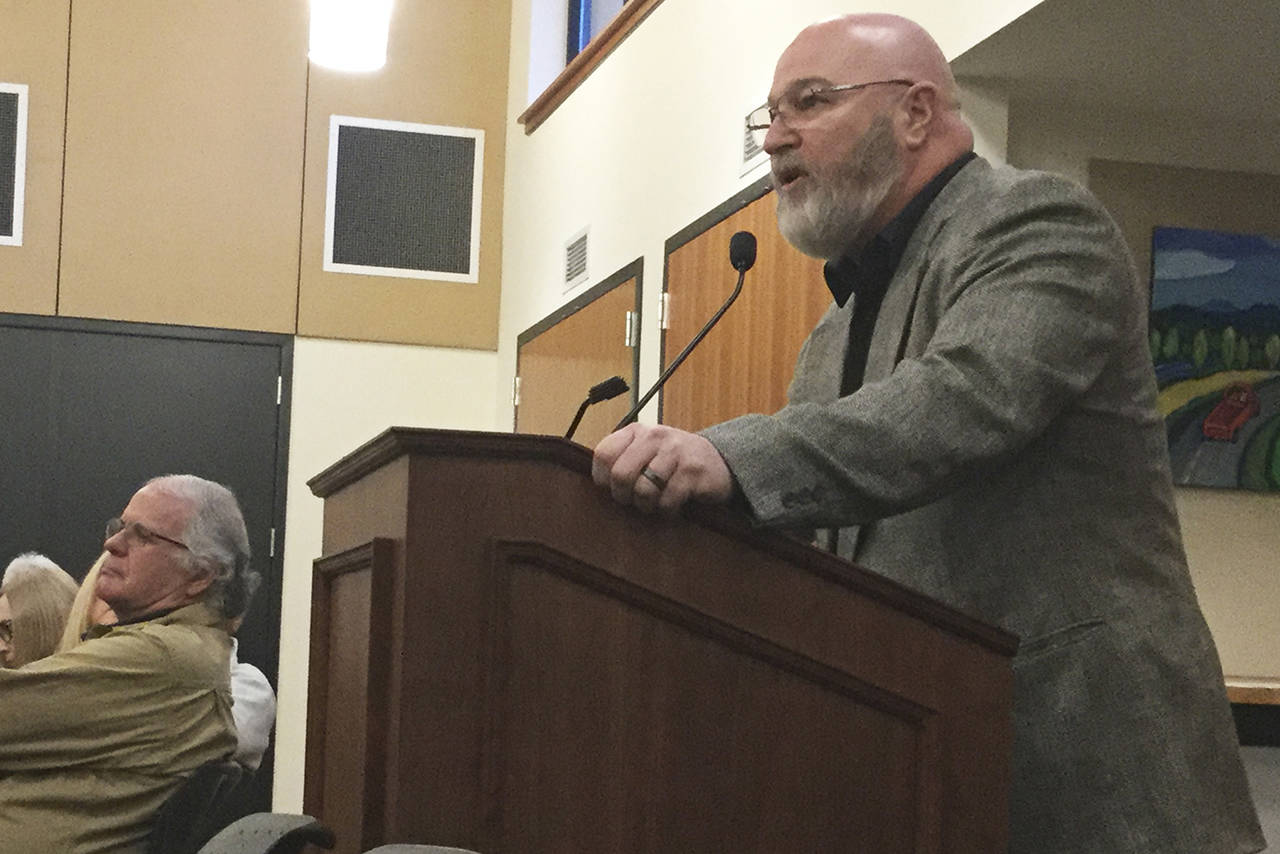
<point x="1034" y="296"/>
<point x="111" y="702"/>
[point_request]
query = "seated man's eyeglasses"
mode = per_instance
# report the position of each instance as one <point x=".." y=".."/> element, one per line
<point x="800" y="106"/>
<point x="139" y="533"/>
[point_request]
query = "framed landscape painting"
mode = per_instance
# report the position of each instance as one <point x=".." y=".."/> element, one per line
<point x="1215" y="342"/>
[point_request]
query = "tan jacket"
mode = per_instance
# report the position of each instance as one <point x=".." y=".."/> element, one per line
<point x="94" y="739"/>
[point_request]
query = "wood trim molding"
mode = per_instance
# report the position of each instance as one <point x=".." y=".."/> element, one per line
<point x="633" y="12"/>
<point x="757" y="189"/>
<point x="633" y="270"/>
<point x="509" y="555"/>
<point x="376" y="558"/>
<point x="1253" y="692"/>
<point x="395" y="442"/>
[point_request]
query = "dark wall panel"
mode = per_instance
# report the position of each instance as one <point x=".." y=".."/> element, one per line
<point x="89" y="410"/>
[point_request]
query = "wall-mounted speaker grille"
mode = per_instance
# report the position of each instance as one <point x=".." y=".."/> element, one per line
<point x="403" y="199"/>
<point x="575" y="260"/>
<point x="13" y="157"/>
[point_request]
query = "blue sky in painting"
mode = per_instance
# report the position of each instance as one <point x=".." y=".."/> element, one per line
<point x="1194" y="267"/>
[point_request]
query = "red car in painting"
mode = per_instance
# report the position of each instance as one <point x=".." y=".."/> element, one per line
<point x="1239" y="403"/>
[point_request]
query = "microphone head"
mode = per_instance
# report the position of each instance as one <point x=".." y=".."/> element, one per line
<point x="742" y="251"/>
<point x="607" y="390"/>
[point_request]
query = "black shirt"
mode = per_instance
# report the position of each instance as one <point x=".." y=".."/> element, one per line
<point x="868" y="273"/>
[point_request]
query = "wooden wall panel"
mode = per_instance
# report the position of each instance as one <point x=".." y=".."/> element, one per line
<point x="745" y="363"/>
<point x="446" y="65"/>
<point x="558" y="365"/>
<point x="33" y="51"/>
<point x="184" y="162"/>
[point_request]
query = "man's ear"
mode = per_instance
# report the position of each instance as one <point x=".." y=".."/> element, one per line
<point x="916" y="114"/>
<point x="199" y="583"/>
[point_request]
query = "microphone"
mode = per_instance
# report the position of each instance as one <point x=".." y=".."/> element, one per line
<point x="742" y="255"/>
<point x="742" y="251"/>
<point x="607" y="390"/>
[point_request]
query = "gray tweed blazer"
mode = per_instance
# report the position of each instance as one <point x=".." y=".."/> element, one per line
<point x="1005" y="456"/>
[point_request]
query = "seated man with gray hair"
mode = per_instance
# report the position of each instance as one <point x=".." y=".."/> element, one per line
<point x="94" y="739"/>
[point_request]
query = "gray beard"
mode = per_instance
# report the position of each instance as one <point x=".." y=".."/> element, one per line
<point x="831" y="218"/>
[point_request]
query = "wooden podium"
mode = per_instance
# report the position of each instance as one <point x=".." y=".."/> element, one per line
<point x="503" y="659"/>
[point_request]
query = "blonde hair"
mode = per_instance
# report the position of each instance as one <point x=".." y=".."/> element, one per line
<point x="80" y="617"/>
<point x="40" y="595"/>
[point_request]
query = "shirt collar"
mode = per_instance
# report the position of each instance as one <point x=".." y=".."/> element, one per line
<point x="195" y="612"/>
<point x="869" y="271"/>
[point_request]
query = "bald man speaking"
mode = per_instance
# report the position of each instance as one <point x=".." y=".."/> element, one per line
<point x="974" y="416"/>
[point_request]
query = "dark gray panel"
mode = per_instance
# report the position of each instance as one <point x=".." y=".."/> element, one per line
<point x="89" y="410"/>
<point x="8" y="159"/>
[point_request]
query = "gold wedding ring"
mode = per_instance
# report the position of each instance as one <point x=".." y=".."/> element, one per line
<point x="654" y="478"/>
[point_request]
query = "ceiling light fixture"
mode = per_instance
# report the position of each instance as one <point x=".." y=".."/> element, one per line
<point x="350" y="35"/>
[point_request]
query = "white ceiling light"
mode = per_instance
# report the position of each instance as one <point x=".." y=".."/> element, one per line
<point x="350" y="35"/>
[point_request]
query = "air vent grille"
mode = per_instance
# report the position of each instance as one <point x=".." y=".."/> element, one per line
<point x="750" y="151"/>
<point x="575" y="260"/>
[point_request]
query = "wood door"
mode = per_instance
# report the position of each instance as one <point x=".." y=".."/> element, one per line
<point x="561" y="358"/>
<point x="745" y="363"/>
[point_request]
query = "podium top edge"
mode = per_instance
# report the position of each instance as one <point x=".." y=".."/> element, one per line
<point x="395" y="442"/>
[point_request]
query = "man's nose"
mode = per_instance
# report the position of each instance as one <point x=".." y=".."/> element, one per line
<point x="779" y="136"/>
<point x="117" y="543"/>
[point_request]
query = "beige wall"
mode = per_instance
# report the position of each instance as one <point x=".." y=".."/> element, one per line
<point x="344" y="394"/>
<point x="446" y="65"/>
<point x="184" y="162"/>
<point x="33" y="51"/>
<point x="191" y="187"/>
<point x="652" y="140"/>
<point x="1064" y="137"/>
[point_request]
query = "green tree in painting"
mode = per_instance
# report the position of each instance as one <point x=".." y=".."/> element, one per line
<point x="1242" y="354"/>
<point x="1272" y="351"/>
<point x="1199" y="349"/>
<point x="1171" y="344"/>
<point x="1228" y="348"/>
<point x="1155" y="344"/>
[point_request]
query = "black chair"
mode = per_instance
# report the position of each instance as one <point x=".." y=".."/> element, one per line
<point x="198" y="809"/>
<point x="269" y="833"/>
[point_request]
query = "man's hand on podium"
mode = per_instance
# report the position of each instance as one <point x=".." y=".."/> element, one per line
<point x="661" y="468"/>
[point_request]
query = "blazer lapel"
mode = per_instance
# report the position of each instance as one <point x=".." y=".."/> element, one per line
<point x="892" y="332"/>
<point x="821" y="364"/>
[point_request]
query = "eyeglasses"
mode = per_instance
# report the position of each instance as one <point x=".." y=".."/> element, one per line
<point x="802" y="106"/>
<point x="6" y="631"/>
<point x="139" y="533"/>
